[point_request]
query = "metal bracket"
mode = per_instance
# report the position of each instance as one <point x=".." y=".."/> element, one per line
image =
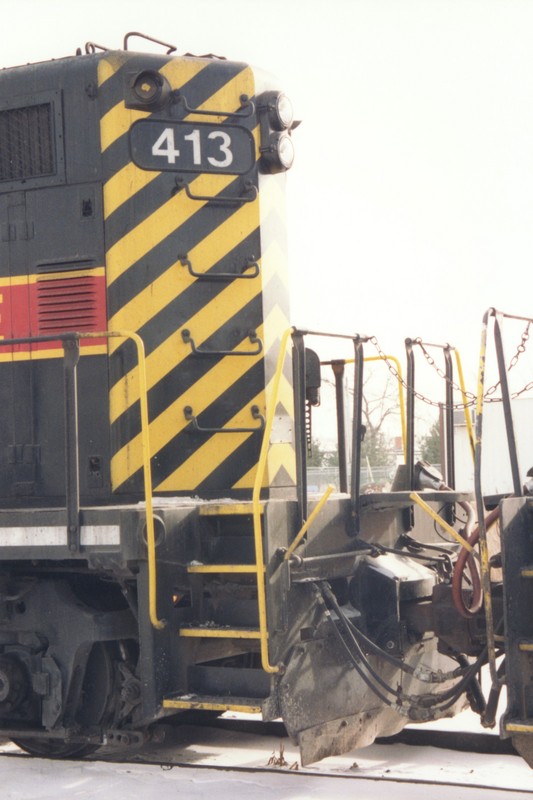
<point x="249" y="187"/>
<point x="246" y="109"/>
<point x="253" y="337"/>
<point x="256" y="414"/>
<point x="222" y="276"/>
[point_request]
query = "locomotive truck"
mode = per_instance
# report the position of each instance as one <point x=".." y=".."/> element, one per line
<point x="160" y="548"/>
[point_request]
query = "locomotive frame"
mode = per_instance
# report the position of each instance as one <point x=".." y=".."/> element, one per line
<point x="159" y="548"/>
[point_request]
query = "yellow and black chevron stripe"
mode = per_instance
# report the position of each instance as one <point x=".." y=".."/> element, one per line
<point x="210" y="342"/>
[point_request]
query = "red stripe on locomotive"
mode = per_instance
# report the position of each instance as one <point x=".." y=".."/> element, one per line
<point x="45" y="307"/>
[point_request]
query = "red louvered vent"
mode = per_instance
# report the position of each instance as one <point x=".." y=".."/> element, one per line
<point x="69" y="304"/>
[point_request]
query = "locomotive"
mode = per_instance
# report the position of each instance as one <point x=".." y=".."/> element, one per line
<point x="160" y="547"/>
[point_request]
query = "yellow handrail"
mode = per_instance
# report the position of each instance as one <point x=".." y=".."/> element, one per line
<point x="442" y="522"/>
<point x="307" y="524"/>
<point x="256" y="505"/>
<point x="147" y="470"/>
<point x="401" y="400"/>
<point x="468" y="417"/>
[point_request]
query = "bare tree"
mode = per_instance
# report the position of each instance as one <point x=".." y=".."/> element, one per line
<point x="376" y="410"/>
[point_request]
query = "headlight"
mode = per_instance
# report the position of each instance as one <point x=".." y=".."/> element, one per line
<point x="278" y="154"/>
<point x="279" y="109"/>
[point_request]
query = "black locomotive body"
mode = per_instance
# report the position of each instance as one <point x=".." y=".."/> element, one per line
<point x="159" y="548"/>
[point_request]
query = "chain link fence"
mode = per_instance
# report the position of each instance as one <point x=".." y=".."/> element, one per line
<point x="374" y="479"/>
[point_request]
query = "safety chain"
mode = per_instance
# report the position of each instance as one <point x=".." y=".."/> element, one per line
<point x="519" y="350"/>
<point x="472" y="399"/>
<point x="440" y="372"/>
<point x="395" y="374"/>
<point x="526" y="388"/>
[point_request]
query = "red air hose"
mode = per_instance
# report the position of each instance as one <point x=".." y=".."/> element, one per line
<point x="464" y="558"/>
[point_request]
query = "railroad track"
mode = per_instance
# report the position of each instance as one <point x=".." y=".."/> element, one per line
<point x="267" y="781"/>
<point x="463" y="741"/>
<point x="208" y="754"/>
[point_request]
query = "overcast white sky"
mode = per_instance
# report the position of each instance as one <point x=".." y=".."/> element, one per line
<point x="411" y="200"/>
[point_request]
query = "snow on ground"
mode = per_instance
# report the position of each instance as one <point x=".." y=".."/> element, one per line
<point x="407" y="772"/>
<point x="44" y="780"/>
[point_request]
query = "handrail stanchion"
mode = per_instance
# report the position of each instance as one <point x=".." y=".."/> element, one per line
<point x="358" y="432"/>
<point x="338" y="372"/>
<point x="147" y="468"/>
<point x="256" y="506"/>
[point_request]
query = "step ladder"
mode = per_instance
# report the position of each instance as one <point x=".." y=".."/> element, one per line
<point x="223" y="512"/>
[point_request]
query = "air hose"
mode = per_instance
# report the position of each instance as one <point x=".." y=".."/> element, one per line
<point x="465" y="557"/>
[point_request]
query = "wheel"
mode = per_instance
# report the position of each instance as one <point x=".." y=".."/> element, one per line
<point x="55" y="748"/>
<point x="98" y="700"/>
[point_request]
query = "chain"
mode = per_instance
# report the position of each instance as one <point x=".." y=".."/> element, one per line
<point x="440" y="372"/>
<point x="527" y="388"/>
<point x="472" y="399"/>
<point x="519" y="350"/>
<point x="395" y="374"/>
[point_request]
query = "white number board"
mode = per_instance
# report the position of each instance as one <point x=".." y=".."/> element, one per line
<point x="191" y="147"/>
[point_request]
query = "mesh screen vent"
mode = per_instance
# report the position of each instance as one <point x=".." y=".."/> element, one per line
<point x="26" y="143"/>
<point x="67" y="304"/>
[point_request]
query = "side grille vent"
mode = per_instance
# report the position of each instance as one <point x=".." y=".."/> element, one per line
<point x="68" y="304"/>
<point x="26" y="143"/>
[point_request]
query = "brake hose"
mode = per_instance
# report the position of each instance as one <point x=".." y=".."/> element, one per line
<point x="465" y="557"/>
